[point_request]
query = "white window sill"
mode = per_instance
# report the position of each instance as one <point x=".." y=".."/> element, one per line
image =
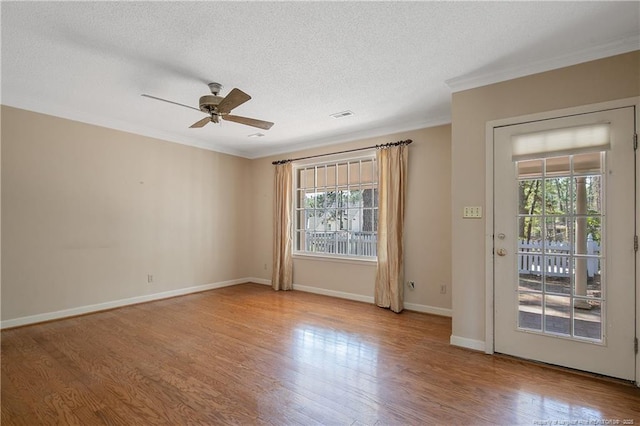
<point x="370" y="261"/>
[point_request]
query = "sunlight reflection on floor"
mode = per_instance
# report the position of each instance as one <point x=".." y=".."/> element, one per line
<point x="335" y="358"/>
<point x="333" y="349"/>
<point x="553" y="410"/>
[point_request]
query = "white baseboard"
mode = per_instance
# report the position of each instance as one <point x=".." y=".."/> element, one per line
<point x="333" y="293"/>
<point x="477" y="345"/>
<point x="81" y="310"/>
<point x="48" y="316"/>
<point x="369" y="299"/>
<point x="434" y="310"/>
<point x="259" y="281"/>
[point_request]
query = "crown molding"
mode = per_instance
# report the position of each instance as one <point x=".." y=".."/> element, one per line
<point x="55" y="110"/>
<point x="473" y="80"/>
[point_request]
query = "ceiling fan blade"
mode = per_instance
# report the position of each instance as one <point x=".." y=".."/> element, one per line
<point x="266" y="125"/>
<point x="170" y="102"/>
<point x="235" y="98"/>
<point x="200" y="123"/>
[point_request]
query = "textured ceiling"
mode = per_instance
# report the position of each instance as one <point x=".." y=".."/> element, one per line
<point x="394" y="64"/>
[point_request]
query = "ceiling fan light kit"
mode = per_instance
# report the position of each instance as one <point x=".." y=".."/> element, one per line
<point x="218" y="107"/>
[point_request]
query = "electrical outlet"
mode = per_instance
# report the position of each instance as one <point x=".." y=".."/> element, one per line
<point x="411" y="284"/>
<point x="443" y="289"/>
<point x="265" y="266"/>
<point x="472" y="212"/>
<point x="149" y="278"/>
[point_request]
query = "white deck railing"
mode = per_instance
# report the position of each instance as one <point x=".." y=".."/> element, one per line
<point x="351" y="243"/>
<point x="556" y="258"/>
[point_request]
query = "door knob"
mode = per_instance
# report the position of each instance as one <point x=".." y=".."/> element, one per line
<point x="501" y="252"/>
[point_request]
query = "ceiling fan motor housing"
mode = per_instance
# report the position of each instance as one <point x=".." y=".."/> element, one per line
<point x="208" y="103"/>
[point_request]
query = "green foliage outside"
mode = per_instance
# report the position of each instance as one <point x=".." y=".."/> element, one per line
<point x="556" y="197"/>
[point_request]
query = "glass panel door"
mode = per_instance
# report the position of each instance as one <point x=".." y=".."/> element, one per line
<point x="564" y="264"/>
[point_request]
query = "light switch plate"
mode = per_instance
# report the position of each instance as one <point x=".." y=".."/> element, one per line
<point x="472" y="212"/>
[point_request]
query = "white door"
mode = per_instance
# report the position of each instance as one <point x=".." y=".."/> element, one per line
<point x="564" y="224"/>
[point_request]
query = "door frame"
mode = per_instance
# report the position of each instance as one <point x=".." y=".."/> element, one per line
<point x="489" y="208"/>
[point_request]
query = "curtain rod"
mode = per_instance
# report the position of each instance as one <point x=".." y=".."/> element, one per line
<point x="385" y="145"/>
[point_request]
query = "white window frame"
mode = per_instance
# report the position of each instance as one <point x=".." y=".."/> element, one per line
<point x="368" y="155"/>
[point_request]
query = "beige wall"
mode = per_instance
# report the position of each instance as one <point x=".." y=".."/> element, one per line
<point x="88" y="212"/>
<point x="427" y="224"/>
<point x="612" y="78"/>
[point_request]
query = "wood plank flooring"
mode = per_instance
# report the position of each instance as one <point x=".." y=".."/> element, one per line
<point x="248" y="355"/>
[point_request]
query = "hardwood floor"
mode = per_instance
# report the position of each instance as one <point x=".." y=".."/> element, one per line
<point x="249" y="355"/>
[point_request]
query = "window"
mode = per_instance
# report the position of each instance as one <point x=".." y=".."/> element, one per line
<point x="336" y="208"/>
<point x="560" y="249"/>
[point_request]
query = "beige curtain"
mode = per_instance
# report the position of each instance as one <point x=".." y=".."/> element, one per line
<point x="392" y="178"/>
<point x="282" y="277"/>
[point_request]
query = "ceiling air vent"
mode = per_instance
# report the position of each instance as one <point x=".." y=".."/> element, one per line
<point x="342" y="114"/>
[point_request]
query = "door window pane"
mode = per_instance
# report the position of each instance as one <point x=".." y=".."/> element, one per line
<point x="557" y="193"/>
<point x="530" y="196"/>
<point x="587" y="319"/>
<point x="557" y="314"/>
<point x="557" y="231"/>
<point x="530" y="311"/>
<point x="557" y="165"/>
<point x="588" y="163"/>
<point x="530" y="168"/>
<point x="529" y="282"/>
<point x="557" y="284"/>
<point x="529" y="231"/>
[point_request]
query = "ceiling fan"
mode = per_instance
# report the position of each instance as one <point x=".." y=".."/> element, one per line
<point x="218" y="107"/>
